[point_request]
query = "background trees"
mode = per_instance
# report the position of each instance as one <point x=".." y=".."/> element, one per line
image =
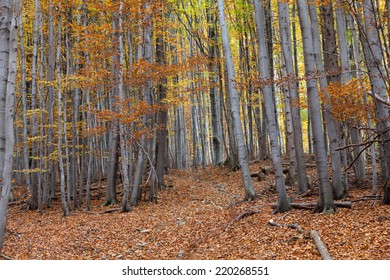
<point x="144" y="86"/>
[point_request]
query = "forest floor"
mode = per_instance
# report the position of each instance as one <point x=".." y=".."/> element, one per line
<point x="201" y="215"/>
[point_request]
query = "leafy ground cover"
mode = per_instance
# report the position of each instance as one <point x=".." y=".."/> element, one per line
<point x="201" y="216"/>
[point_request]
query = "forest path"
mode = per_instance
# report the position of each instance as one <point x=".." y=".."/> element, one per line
<point x="201" y="216"/>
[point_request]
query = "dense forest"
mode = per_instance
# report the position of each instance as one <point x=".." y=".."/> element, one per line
<point x="122" y="93"/>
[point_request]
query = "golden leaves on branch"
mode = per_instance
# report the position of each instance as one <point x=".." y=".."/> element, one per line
<point x="347" y="101"/>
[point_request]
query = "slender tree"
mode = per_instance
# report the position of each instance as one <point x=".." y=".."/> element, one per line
<point x="330" y="121"/>
<point x="325" y="203"/>
<point x="283" y="203"/>
<point x="8" y="53"/>
<point x="377" y="74"/>
<point x="286" y="44"/>
<point x="235" y="105"/>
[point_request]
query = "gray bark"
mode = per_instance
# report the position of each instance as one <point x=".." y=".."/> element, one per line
<point x="122" y="128"/>
<point x="215" y="97"/>
<point x="286" y="44"/>
<point x="264" y="63"/>
<point x="26" y="164"/>
<point x="235" y="106"/>
<point x="345" y="78"/>
<point x="147" y="90"/>
<point x="8" y="30"/>
<point x="325" y="203"/>
<point x="330" y="121"/>
<point x="5" y="24"/>
<point x="60" y="126"/>
<point x="33" y="202"/>
<point x="377" y="74"/>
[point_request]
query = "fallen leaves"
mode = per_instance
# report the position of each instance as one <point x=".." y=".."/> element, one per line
<point x="202" y="216"/>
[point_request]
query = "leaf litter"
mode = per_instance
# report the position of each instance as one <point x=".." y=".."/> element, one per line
<point x="201" y="216"/>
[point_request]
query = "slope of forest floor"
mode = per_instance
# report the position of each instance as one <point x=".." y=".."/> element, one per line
<point x="201" y="216"/>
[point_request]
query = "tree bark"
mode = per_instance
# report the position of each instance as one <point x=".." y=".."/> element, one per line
<point x="235" y="106"/>
<point x="325" y="203"/>
<point x="331" y="124"/>
<point x="286" y="44"/>
<point x="283" y="204"/>
<point x="8" y="31"/>
<point x="321" y="247"/>
<point x="377" y="74"/>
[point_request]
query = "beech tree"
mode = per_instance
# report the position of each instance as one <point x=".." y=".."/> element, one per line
<point x="235" y="105"/>
<point x="115" y="93"/>
<point x="283" y="204"/>
<point x="377" y="74"/>
<point x="286" y="45"/>
<point x="325" y="203"/>
<point x="8" y="54"/>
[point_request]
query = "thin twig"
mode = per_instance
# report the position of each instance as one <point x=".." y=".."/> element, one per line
<point x="6" y="257"/>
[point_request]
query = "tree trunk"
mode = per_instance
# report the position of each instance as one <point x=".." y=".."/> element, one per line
<point x="286" y="44"/>
<point x="8" y="31"/>
<point x="345" y="78"/>
<point x="60" y="120"/>
<point x="377" y="74"/>
<point x="235" y="106"/>
<point x="325" y="203"/>
<point x="147" y="90"/>
<point x="283" y="203"/>
<point x="122" y="128"/>
<point x="215" y="97"/>
<point x="337" y="182"/>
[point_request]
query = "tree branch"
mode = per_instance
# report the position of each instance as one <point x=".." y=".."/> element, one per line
<point x="321" y="247"/>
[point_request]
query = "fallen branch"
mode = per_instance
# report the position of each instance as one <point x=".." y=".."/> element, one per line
<point x="309" y="206"/>
<point x="314" y="235"/>
<point x="105" y="211"/>
<point x="321" y="247"/>
<point x="293" y="226"/>
<point x="239" y="217"/>
<point x="366" y="197"/>
<point x="307" y="193"/>
<point x="6" y="257"/>
<point x="307" y="164"/>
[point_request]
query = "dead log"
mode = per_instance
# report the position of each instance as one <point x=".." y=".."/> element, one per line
<point x="309" y="206"/>
<point x="321" y="247"/>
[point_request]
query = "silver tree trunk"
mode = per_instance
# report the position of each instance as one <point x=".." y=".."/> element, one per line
<point x="9" y="94"/>
<point x="337" y="181"/>
<point x="325" y="202"/>
<point x="235" y="106"/>
<point x="283" y="204"/>
<point x="286" y="45"/>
